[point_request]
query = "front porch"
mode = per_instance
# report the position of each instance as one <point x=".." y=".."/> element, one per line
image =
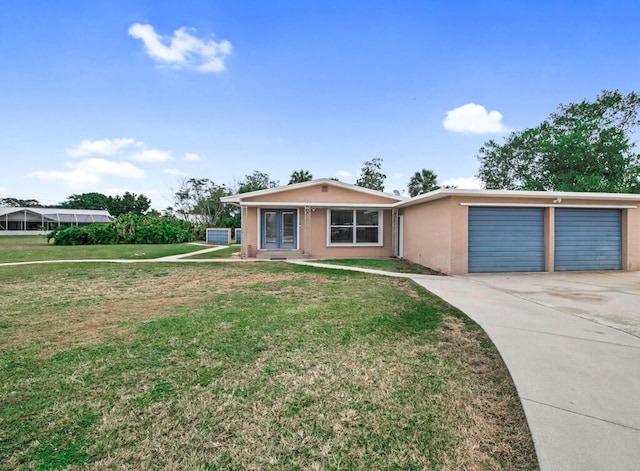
<point x="275" y="254"/>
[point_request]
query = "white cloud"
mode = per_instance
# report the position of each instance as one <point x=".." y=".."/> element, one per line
<point x="474" y="119"/>
<point x="110" y="147"/>
<point x="74" y="177"/>
<point x="153" y="155"/>
<point x="101" y="146"/>
<point x="183" y="49"/>
<point x="464" y="183"/>
<point x="343" y="173"/>
<point x="397" y="175"/>
<point x="107" y="167"/>
<point x="175" y="171"/>
<point x="192" y="156"/>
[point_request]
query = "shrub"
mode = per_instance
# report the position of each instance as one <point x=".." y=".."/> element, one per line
<point x="129" y="229"/>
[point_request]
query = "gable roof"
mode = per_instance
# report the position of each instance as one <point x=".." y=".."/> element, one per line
<point x="237" y="198"/>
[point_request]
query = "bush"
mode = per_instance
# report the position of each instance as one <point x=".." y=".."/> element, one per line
<point x="129" y="229"/>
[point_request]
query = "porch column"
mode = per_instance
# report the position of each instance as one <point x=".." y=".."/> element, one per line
<point x="243" y="245"/>
<point x="307" y="229"/>
<point x="394" y="231"/>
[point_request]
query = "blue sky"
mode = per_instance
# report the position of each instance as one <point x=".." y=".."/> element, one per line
<point x="115" y="96"/>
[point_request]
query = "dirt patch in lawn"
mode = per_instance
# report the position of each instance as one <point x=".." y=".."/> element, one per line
<point x="91" y="309"/>
<point x="247" y="367"/>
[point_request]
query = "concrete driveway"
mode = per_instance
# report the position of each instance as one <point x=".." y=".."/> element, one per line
<point x="572" y="344"/>
<point x="608" y="298"/>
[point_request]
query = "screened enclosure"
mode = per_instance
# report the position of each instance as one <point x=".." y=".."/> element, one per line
<point x="46" y="219"/>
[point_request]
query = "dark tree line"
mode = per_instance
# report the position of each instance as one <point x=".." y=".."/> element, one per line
<point x="128" y="203"/>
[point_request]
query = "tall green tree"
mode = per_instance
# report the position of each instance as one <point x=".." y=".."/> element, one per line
<point x="128" y="203"/>
<point x="371" y="175"/>
<point x="257" y="181"/>
<point x="299" y="176"/>
<point x="20" y="203"/>
<point x="91" y="200"/>
<point x="585" y="146"/>
<point x="422" y="182"/>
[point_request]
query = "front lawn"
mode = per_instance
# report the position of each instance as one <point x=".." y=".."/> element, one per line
<point x="397" y="265"/>
<point x="245" y="366"/>
<point x="27" y="248"/>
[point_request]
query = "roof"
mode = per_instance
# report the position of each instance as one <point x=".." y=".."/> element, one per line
<point x="62" y="214"/>
<point x="446" y="192"/>
<point x="237" y="198"/>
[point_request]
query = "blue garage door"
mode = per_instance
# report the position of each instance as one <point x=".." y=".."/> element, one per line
<point x="588" y="239"/>
<point x="506" y="239"/>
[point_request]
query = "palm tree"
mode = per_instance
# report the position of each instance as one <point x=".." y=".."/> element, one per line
<point x="423" y="182"/>
<point x="299" y="176"/>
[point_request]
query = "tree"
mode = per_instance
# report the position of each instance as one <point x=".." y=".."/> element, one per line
<point x="299" y="176"/>
<point x="423" y="182"/>
<point x="128" y="203"/>
<point x="585" y="146"/>
<point x="19" y="203"/>
<point x="257" y="181"/>
<point x="93" y="200"/>
<point x="371" y="175"/>
<point x="198" y="200"/>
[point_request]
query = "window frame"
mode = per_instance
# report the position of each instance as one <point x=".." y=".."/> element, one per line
<point x="355" y="226"/>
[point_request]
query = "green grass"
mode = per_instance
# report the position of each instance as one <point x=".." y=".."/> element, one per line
<point x="222" y="253"/>
<point x="28" y="248"/>
<point x="245" y="366"/>
<point x="397" y="265"/>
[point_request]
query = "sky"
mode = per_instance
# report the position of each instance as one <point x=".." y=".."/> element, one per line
<point x="132" y="95"/>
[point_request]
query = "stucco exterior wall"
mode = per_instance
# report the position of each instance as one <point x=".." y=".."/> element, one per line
<point x="314" y="243"/>
<point x="315" y="194"/>
<point x="631" y="239"/>
<point x="436" y="232"/>
<point x="318" y="239"/>
<point x="427" y="230"/>
<point x="249" y="244"/>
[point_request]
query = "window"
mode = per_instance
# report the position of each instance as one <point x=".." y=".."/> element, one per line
<point x="355" y="226"/>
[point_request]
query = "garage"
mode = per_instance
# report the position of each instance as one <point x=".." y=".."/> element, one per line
<point x="588" y="239"/>
<point x="504" y="239"/>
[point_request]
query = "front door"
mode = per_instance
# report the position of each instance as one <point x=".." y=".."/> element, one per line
<point x="279" y="229"/>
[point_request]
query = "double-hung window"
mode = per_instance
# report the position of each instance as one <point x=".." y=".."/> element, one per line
<point x="354" y="226"/>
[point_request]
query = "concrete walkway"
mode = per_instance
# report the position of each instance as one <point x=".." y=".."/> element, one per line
<point x="170" y="258"/>
<point x="578" y="379"/>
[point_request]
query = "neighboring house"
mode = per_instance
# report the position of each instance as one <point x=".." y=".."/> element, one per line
<point x="452" y="231"/>
<point x="29" y="221"/>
